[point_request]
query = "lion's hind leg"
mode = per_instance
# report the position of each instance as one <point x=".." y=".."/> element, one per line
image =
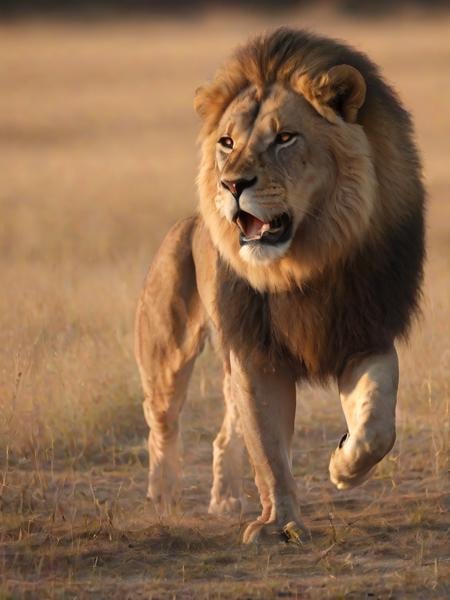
<point x="170" y="330"/>
<point x="162" y="407"/>
<point x="228" y="455"/>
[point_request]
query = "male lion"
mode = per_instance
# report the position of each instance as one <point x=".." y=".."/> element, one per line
<point x="305" y="260"/>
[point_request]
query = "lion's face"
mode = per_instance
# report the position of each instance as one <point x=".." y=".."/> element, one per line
<point x="287" y="184"/>
<point x="273" y="169"/>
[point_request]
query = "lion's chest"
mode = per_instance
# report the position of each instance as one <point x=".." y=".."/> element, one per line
<point x="303" y="323"/>
<point x="314" y="331"/>
<point x="294" y="328"/>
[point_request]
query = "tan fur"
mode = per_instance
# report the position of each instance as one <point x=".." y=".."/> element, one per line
<point x="328" y="302"/>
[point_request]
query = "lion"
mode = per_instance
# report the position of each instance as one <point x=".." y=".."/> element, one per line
<point x="304" y="262"/>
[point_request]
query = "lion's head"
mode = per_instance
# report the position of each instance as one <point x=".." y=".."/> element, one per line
<point x="289" y="181"/>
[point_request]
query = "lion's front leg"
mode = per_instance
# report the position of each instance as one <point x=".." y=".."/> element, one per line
<point x="368" y="391"/>
<point x="266" y="402"/>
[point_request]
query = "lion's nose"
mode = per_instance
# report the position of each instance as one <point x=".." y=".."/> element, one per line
<point x="237" y="186"/>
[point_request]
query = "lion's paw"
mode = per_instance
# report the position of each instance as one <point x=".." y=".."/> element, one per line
<point x="270" y="533"/>
<point x="228" y="505"/>
<point x="165" y="496"/>
<point x="350" y="467"/>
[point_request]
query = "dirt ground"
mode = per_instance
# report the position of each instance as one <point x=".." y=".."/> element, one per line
<point x="97" y="146"/>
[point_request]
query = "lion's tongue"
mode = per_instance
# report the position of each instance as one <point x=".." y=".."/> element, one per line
<point x="252" y="226"/>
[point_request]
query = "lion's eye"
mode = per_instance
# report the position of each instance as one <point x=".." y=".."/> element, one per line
<point x="226" y="142"/>
<point x="284" y="137"/>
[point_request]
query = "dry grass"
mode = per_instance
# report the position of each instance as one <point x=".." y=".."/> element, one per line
<point x="97" y="143"/>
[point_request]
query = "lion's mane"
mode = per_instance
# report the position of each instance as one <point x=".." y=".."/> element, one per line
<point x="358" y="303"/>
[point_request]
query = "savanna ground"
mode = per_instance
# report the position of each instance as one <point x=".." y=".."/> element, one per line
<point x="97" y="137"/>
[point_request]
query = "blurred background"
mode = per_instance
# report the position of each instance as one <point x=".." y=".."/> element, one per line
<point x="98" y="160"/>
<point x="179" y="8"/>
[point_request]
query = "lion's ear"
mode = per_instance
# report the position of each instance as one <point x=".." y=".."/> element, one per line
<point x="200" y="100"/>
<point x="208" y="100"/>
<point x="340" y="91"/>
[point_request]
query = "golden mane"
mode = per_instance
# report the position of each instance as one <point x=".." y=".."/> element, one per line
<point x="295" y="58"/>
<point x="282" y="57"/>
<point x="365" y="299"/>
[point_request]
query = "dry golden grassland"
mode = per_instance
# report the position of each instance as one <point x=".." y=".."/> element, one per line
<point x="97" y="146"/>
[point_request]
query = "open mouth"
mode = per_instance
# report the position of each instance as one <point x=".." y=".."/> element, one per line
<point x="255" y="231"/>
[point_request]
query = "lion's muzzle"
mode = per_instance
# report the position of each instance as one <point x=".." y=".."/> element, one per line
<point x="254" y="230"/>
